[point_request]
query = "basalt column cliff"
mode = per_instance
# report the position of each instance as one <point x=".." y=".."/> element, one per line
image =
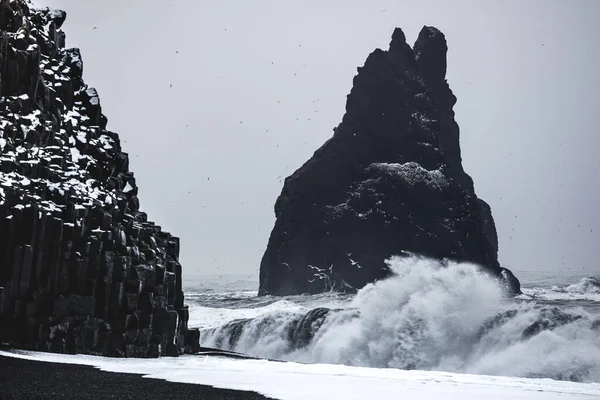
<point x="82" y="270"/>
<point x="389" y="181"/>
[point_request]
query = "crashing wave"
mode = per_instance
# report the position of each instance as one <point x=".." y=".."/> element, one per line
<point x="430" y="317"/>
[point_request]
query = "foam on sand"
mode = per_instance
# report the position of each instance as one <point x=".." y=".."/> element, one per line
<point x="293" y="381"/>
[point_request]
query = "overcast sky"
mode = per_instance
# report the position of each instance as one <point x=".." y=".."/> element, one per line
<point x="257" y="87"/>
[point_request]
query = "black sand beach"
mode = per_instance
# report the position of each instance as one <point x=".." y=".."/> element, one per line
<point x="25" y="379"/>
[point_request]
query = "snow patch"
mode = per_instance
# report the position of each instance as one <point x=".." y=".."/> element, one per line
<point x="93" y="95"/>
<point x="413" y="174"/>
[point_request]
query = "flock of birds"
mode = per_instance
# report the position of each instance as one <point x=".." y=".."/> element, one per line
<point x="280" y="178"/>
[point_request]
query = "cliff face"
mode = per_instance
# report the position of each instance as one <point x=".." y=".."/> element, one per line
<point x="389" y="181"/>
<point x="81" y="268"/>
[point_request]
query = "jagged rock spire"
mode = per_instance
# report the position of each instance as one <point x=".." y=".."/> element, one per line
<point x="389" y="181"/>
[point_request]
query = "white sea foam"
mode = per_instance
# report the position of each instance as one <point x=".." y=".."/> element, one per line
<point x="292" y="381"/>
<point x="587" y="289"/>
<point x="210" y="317"/>
<point x="431" y="317"/>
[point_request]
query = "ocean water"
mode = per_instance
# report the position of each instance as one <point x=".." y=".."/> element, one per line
<point x="425" y="317"/>
<point x="427" y="332"/>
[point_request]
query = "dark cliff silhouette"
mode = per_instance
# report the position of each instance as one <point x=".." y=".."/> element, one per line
<point x="82" y="270"/>
<point x="389" y="181"/>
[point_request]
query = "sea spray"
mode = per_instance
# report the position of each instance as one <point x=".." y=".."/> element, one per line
<point x="586" y="289"/>
<point x="431" y="316"/>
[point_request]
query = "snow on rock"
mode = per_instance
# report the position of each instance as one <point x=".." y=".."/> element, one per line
<point x="93" y="95"/>
<point x="412" y="173"/>
<point x="81" y="267"/>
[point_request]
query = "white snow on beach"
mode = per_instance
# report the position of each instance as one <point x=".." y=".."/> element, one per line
<point x="293" y="381"/>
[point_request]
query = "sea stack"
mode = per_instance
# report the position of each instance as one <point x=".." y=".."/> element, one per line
<point x="389" y="182"/>
<point x="82" y="270"/>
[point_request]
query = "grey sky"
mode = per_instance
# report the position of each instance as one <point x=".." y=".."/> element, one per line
<point x="257" y="86"/>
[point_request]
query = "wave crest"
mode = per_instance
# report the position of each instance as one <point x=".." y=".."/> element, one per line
<point x="427" y="316"/>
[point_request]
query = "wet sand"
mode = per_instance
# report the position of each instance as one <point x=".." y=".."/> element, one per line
<point x="25" y="379"/>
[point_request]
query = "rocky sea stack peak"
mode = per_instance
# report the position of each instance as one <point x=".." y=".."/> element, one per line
<point x="82" y="270"/>
<point x="389" y="182"/>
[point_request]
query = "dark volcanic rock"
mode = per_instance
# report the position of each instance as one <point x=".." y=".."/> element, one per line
<point x="389" y="181"/>
<point x="296" y="331"/>
<point x="81" y="268"/>
<point x="549" y="318"/>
